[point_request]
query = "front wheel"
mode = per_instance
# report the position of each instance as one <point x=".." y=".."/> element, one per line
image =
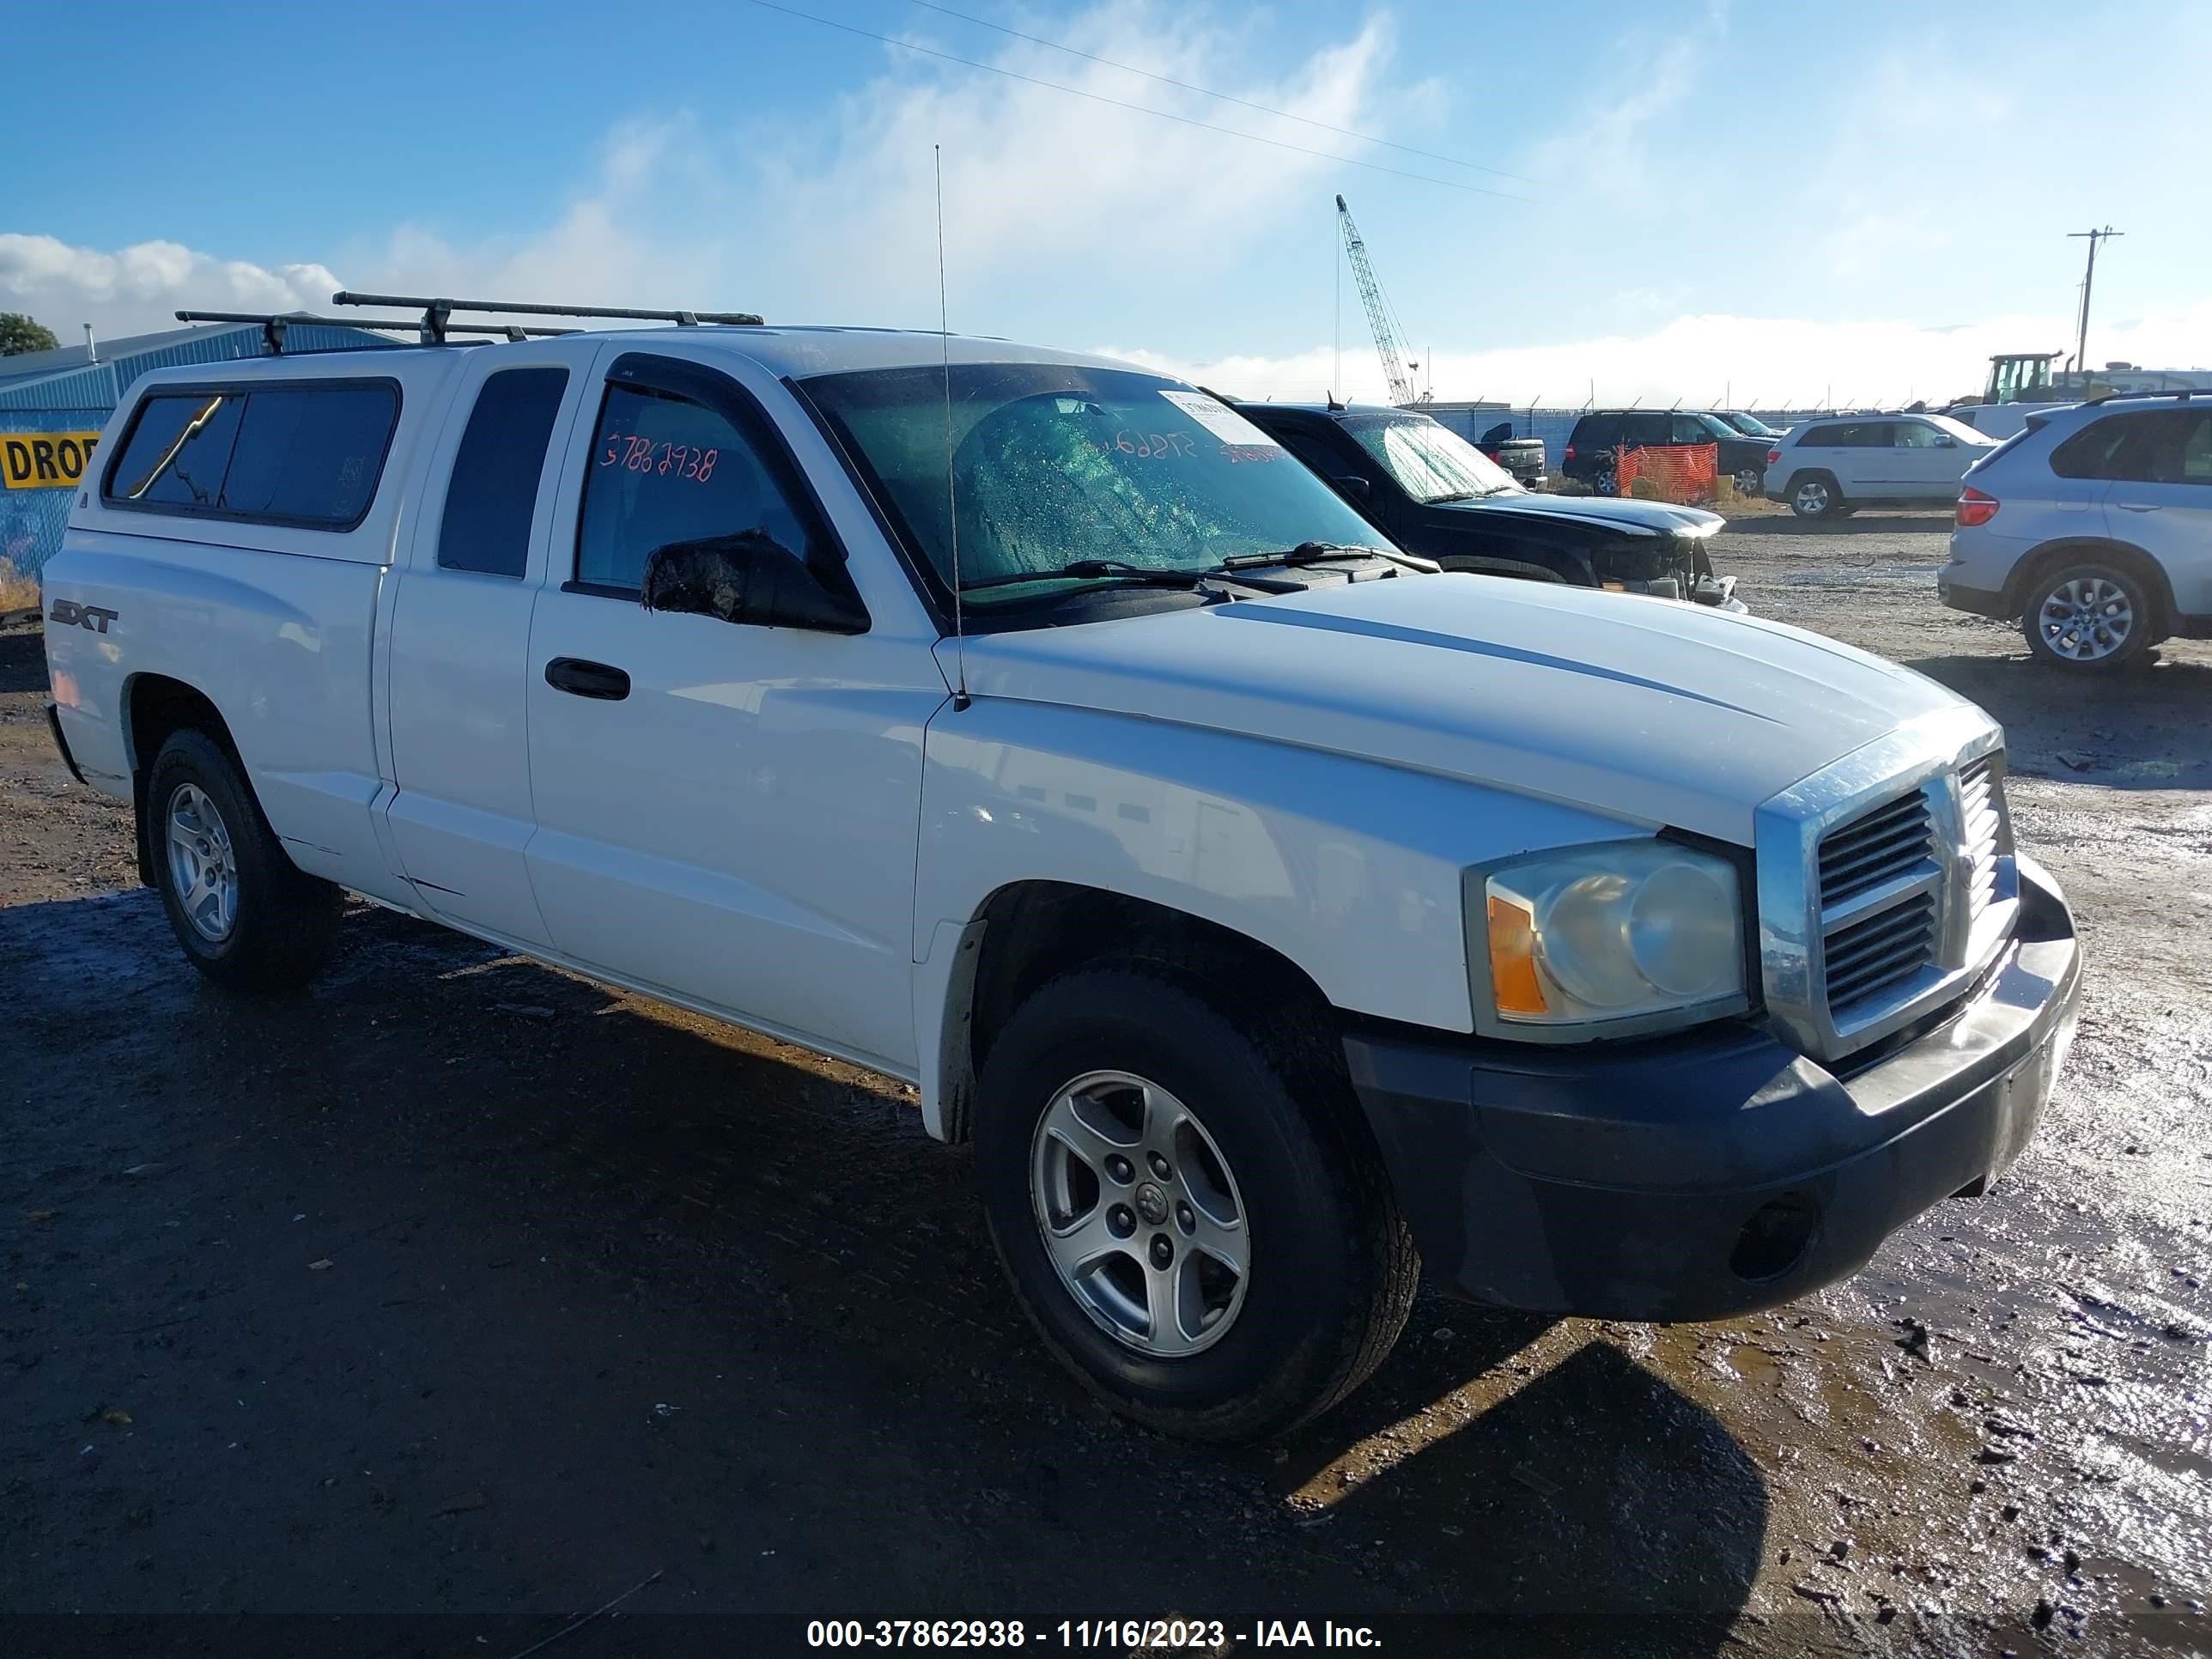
<point x="1187" y="1204"/>
<point x="1749" y="481"/>
<point x="2093" y="618"/>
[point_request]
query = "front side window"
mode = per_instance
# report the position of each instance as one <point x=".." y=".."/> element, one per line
<point x="1429" y="461"/>
<point x="1052" y="464"/>
<point x="2197" y="449"/>
<point x="1912" y="435"/>
<point x="492" y="496"/>
<point x="281" y="454"/>
<point x="667" y="469"/>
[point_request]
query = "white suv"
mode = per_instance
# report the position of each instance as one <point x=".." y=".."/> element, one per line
<point x="1827" y="468"/>
<point x="2092" y="528"/>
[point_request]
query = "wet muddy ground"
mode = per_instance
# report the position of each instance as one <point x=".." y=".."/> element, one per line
<point x="461" y="1286"/>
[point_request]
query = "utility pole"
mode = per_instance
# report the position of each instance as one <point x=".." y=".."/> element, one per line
<point x="2088" y="277"/>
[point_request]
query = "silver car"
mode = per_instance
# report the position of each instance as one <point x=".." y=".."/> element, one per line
<point x="2093" y="529"/>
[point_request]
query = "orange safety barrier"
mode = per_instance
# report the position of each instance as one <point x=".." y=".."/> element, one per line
<point x="1685" y="474"/>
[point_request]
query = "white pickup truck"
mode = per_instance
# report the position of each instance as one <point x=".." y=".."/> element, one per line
<point x="1276" y="913"/>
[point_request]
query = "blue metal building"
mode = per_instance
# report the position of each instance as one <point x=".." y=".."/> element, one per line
<point x="50" y="401"/>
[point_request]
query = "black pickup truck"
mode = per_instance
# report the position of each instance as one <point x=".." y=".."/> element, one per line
<point x="1433" y="493"/>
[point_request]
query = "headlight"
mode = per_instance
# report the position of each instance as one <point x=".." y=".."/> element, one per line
<point x="1605" y="940"/>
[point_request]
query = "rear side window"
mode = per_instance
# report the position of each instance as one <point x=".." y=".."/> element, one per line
<point x="665" y="469"/>
<point x="2167" y="445"/>
<point x="1855" y="434"/>
<point x="301" y="454"/>
<point x="2103" y="449"/>
<point x="493" y="493"/>
<point x="177" y="451"/>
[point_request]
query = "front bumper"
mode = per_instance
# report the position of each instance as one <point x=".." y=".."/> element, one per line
<point x="1708" y="1174"/>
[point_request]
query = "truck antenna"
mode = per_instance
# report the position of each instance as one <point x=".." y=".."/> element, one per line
<point x="960" y="698"/>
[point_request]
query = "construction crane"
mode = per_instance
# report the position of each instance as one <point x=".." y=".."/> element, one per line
<point x="1378" y="313"/>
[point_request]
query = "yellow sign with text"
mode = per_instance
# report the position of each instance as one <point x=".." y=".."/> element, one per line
<point x="46" y="460"/>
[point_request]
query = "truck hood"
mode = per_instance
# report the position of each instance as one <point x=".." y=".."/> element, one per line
<point x="1624" y="517"/>
<point x="1644" y="710"/>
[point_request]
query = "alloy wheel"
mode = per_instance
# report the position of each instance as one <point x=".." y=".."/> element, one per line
<point x="202" y="867"/>
<point x="2086" y="618"/>
<point x="1140" y="1214"/>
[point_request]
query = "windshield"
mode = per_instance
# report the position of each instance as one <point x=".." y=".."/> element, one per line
<point x="1430" y="462"/>
<point x="1750" y="425"/>
<point x="1055" y="464"/>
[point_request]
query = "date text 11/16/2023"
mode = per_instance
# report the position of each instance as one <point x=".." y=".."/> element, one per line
<point x="1200" y="1635"/>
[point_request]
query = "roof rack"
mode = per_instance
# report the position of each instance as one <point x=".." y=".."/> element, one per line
<point x="437" y="313"/>
<point x="2184" y="392"/>
<point x="273" y="325"/>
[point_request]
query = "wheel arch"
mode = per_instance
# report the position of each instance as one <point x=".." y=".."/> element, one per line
<point x="2046" y="559"/>
<point x="1030" y="931"/>
<point x="156" y="706"/>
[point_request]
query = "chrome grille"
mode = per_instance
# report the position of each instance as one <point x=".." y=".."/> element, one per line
<point x="1879" y="952"/>
<point x="1862" y="854"/>
<point x="1981" y="821"/>
<point x="1879" y="882"/>
<point x="1886" y="883"/>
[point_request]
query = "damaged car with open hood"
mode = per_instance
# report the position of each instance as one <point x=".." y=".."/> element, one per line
<point x="1279" y="916"/>
<point x="1430" y="492"/>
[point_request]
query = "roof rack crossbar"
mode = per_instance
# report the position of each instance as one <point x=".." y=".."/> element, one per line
<point x="273" y="325"/>
<point x="436" y="310"/>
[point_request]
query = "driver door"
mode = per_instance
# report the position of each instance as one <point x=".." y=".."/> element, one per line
<point x="726" y="812"/>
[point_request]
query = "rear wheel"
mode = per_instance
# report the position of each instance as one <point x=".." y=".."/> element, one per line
<point x="1815" y="497"/>
<point x="245" y="915"/>
<point x="2095" y="618"/>
<point x="1187" y="1204"/>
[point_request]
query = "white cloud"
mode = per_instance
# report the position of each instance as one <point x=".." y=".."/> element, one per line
<point x="1777" y="362"/>
<point x="137" y="288"/>
<point x="1056" y="208"/>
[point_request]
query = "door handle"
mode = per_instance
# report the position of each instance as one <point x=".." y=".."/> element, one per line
<point x="588" y="679"/>
<point x="2136" y="506"/>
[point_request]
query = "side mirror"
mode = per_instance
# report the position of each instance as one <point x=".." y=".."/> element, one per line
<point x="750" y="577"/>
<point x="1945" y="441"/>
<point x="1353" y="488"/>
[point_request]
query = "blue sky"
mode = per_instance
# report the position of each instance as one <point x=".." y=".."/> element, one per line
<point x="1710" y="191"/>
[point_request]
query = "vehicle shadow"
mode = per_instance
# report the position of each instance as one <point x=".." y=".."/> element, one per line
<point x="2140" y="729"/>
<point x="519" y="1290"/>
<point x="1859" y="524"/>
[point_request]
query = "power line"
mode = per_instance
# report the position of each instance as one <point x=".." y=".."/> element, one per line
<point x="1226" y="98"/>
<point x="1138" y="109"/>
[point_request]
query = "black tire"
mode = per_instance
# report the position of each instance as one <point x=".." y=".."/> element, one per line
<point x="2110" y="609"/>
<point x="1331" y="1271"/>
<point x="1605" y="479"/>
<point x="1814" y="496"/>
<point x="284" y="922"/>
<point x="1750" y="482"/>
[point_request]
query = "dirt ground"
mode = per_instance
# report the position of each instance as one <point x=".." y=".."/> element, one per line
<point x="458" y="1285"/>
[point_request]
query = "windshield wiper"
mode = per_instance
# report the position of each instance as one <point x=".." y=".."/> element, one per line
<point x="1120" y="570"/>
<point x="1322" y="552"/>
